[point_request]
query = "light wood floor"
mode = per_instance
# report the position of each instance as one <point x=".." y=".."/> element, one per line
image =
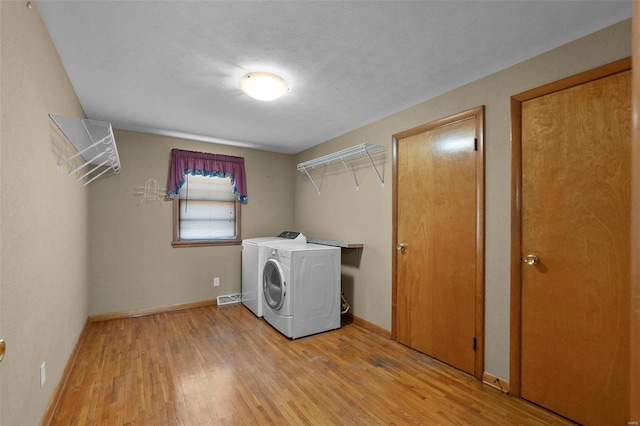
<point x="222" y="365"/>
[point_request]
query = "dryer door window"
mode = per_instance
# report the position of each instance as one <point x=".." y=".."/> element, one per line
<point x="273" y="284"/>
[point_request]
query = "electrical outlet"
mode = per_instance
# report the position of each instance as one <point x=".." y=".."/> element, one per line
<point x="216" y="281"/>
<point x="43" y="374"/>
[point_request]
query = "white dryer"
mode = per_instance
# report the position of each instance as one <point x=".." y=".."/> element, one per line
<point x="252" y="263"/>
<point x="301" y="288"/>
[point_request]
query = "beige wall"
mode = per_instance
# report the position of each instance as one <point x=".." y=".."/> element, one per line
<point x="132" y="263"/>
<point x="43" y="219"/>
<point x="340" y="212"/>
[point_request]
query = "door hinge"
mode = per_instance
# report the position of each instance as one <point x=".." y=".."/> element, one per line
<point x="475" y="144"/>
<point x="474" y="343"/>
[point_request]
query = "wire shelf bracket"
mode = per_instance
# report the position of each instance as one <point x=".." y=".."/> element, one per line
<point x="95" y="144"/>
<point x="343" y="155"/>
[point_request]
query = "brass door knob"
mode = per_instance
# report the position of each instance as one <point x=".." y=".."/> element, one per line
<point x="401" y="247"/>
<point x="531" y="259"/>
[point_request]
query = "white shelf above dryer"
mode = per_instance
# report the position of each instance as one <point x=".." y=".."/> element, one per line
<point x="95" y="144"/>
<point x="342" y="156"/>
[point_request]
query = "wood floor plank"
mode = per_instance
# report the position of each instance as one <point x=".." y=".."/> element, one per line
<point x="220" y="365"/>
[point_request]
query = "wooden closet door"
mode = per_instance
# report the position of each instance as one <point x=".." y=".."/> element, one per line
<point x="437" y="236"/>
<point x="575" y="248"/>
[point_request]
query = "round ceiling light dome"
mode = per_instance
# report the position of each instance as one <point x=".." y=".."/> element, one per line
<point x="263" y="86"/>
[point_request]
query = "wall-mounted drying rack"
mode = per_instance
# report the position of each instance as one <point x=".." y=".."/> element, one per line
<point x="343" y="155"/>
<point x="95" y="144"/>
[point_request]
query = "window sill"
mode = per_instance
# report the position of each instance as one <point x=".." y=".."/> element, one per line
<point x="204" y="243"/>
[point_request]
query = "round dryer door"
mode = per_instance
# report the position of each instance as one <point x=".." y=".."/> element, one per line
<point x="273" y="284"/>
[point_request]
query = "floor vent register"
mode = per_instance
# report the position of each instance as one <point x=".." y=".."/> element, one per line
<point x="229" y="298"/>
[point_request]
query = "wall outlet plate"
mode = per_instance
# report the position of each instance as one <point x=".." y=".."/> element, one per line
<point x="216" y="281"/>
<point x="43" y="374"/>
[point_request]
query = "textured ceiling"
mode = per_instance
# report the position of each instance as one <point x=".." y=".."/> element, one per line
<point x="173" y="67"/>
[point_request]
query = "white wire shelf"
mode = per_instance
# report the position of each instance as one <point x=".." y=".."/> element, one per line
<point x="95" y="144"/>
<point x="343" y="155"/>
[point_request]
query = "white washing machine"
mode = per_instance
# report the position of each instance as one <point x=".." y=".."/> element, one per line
<point x="301" y="288"/>
<point x="252" y="263"/>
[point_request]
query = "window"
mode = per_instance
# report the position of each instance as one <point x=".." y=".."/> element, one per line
<point x="206" y="212"/>
<point x="207" y="190"/>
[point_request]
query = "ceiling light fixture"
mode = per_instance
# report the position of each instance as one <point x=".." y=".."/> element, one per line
<point x="263" y="86"/>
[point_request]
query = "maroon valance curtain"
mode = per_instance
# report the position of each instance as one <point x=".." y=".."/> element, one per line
<point x="204" y="164"/>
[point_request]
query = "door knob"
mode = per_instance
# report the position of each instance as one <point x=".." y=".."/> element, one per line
<point x="401" y="247"/>
<point x="531" y="259"/>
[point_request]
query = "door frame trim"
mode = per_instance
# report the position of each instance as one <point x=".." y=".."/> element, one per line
<point x="478" y="113"/>
<point x="634" y="392"/>
<point x="515" y="340"/>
